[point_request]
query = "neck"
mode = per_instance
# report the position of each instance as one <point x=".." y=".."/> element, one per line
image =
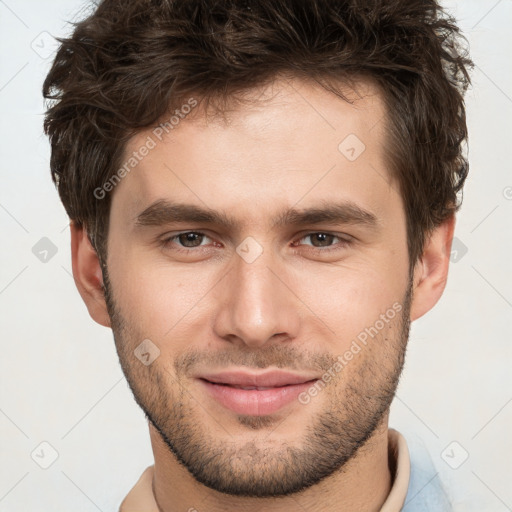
<point x="362" y="484"/>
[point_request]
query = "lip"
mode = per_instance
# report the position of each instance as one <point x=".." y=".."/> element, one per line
<point x="270" y="379"/>
<point x="281" y="388"/>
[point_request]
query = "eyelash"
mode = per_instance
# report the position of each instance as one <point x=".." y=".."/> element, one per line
<point x="343" y="242"/>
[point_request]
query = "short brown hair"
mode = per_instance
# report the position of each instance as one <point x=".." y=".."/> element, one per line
<point x="129" y="62"/>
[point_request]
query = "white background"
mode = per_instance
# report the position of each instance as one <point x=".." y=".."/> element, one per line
<point x="60" y="378"/>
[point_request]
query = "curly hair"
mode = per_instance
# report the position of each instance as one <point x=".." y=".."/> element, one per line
<point x="129" y="62"/>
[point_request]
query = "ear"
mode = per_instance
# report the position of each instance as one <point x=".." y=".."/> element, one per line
<point x="87" y="274"/>
<point x="431" y="270"/>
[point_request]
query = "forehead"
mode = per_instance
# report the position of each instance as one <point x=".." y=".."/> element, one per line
<point x="290" y="141"/>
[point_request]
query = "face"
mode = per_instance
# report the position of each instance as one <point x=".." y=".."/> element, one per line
<point x="300" y="267"/>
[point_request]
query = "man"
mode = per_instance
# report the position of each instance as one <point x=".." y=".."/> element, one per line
<point x="263" y="198"/>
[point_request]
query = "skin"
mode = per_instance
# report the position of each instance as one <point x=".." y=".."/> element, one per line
<point x="294" y="307"/>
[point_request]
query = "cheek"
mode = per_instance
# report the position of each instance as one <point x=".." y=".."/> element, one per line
<point x="351" y="299"/>
<point x="157" y="299"/>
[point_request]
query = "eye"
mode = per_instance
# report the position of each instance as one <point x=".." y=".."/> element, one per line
<point x="324" y="241"/>
<point x="188" y="240"/>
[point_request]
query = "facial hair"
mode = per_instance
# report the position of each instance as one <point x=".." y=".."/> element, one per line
<point x="355" y="405"/>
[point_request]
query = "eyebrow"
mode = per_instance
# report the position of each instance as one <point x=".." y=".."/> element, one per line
<point x="163" y="212"/>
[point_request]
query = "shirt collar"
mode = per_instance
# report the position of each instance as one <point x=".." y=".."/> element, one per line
<point x="399" y="457"/>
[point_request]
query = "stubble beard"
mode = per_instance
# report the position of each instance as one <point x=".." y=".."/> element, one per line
<point x="259" y="467"/>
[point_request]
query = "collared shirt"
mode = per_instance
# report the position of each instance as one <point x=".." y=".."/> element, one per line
<point x="414" y="485"/>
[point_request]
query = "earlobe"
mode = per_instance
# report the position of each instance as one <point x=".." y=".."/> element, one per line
<point x="431" y="271"/>
<point x="87" y="274"/>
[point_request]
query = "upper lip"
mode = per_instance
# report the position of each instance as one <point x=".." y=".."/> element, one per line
<point x="273" y="378"/>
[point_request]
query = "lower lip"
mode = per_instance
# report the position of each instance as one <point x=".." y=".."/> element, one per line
<point x="252" y="401"/>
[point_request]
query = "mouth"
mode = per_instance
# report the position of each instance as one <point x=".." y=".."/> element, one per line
<point x="255" y="394"/>
<point x="259" y="388"/>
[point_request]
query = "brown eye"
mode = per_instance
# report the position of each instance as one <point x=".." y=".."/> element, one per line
<point x="324" y="239"/>
<point x="323" y="242"/>
<point x="190" y="239"/>
<point x="184" y="242"/>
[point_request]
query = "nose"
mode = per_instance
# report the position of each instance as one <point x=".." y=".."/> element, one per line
<point x="256" y="304"/>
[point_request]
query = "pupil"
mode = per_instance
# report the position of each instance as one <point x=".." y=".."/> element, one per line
<point x="323" y="235"/>
<point x="189" y="237"/>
